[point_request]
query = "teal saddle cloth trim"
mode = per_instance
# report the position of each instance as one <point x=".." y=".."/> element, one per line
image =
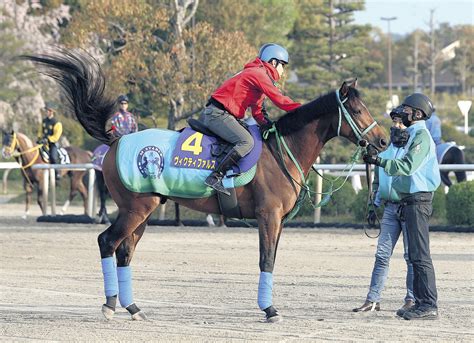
<point x="144" y="163"/>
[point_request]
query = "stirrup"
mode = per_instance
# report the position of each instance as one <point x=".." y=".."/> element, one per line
<point x="217" y="185"/>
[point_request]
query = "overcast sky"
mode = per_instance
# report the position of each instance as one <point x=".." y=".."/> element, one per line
<point x="415" y="13"/>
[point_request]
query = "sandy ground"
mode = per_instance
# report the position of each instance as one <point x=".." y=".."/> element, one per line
<point x="200" y="285"/>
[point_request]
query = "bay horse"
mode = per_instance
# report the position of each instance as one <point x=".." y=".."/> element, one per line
<point x="268" y="198"/>
<point x="27" y="154"/>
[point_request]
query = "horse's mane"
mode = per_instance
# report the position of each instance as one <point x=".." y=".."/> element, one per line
<point x="297" y="119"/>
<point x="28" y="142"/>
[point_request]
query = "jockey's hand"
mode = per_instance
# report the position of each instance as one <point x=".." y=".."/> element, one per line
<point x="266" y="126"/>
<point x="371" y="159"/>
<point x="371" y="217"/>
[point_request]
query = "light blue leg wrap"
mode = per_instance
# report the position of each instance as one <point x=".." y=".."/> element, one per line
<point x="109" y="270"/>
<point x="125" y="286"/>
<point x="265" y="287"/>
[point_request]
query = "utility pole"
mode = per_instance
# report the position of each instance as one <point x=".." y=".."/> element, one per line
<point x="389" y="43"/>
<point x="415" y="61"/>
<point x="432" y="54"/>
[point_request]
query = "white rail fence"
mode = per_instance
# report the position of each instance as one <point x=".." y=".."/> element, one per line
<point x="50" y="180"/>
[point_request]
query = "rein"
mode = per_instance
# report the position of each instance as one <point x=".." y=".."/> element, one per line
<point x="305" y="190"/>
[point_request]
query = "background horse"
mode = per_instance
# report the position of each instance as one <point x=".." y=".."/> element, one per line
<point x="452" y="155"/>
<point x="269" y="197"/>
<point x="19" y="146"/>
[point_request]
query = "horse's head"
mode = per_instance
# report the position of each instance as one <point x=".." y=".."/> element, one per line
<point x="9" y="143"/>
<point x="355" y="121"/>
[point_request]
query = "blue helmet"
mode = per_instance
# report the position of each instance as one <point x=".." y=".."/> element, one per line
<point x="273" y="51"/>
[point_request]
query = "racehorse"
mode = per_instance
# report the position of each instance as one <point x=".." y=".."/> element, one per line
<point x="452" y="155"/>
<point x="269" y="197"/>
<point x="27" y="154"/>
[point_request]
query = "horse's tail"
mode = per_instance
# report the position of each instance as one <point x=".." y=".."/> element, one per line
<point x="83" y="82"/>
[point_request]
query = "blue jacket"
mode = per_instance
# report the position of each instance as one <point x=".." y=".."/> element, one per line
<point x="382" y="185"/>
<point x="417" y="169"/>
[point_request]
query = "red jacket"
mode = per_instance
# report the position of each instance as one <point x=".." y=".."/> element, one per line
<point x="248" y="89"/>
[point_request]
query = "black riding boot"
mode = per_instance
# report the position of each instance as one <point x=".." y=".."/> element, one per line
<point x="215" y="179"/>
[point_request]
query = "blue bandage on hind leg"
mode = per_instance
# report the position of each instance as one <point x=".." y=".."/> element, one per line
<point x="109" y="270"/>
<point x="265" y="288"/>
<point x="125" y="286"/>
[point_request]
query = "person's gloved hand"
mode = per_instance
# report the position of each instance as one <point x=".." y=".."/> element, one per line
<point x="372" y="217"/>
<point x="371" y="159"/>
<point x="266" y="126"/>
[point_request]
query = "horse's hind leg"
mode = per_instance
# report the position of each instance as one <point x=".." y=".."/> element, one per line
<point x="124" y="254"/>
<point x="128" y="221"/>
<point x="102" y="188"/>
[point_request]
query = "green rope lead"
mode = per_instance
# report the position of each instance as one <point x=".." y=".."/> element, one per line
<point x="305" y="190"/>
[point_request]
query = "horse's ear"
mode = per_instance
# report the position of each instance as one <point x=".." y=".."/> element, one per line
<point x="344" y="89"/>
<point x="354" y="83"/>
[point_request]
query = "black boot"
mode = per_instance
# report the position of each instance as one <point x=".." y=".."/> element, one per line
<point x="215" y="179"/>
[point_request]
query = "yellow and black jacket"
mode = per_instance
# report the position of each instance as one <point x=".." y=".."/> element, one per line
<point x="51" y="129"/>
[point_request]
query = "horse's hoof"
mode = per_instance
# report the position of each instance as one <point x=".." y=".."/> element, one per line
<point x="108" y="312"/>
<point x="275" y="319"/>
<point x="139" y="316"/>
<point x="272" y="315"/>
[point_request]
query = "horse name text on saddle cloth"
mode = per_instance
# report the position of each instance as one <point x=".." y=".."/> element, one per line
<point x="177" y="163"/>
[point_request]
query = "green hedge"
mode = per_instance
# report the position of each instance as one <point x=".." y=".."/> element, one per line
<point x="460" y="204"/>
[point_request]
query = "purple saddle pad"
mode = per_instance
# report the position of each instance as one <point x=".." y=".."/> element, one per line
<point x="193" y="150"/>
<point x="98" y="156"/>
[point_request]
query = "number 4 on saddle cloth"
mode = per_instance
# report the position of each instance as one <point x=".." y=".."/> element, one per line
<point x="177" y="163"/>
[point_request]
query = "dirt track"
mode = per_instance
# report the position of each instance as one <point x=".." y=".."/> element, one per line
<point x="201" y="285"/>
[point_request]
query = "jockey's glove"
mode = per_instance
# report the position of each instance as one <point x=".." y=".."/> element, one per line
<point x="372" y="159"/>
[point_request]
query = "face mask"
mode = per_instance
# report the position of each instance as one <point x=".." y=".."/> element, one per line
<point x="405" y="120"/>
<point x="399" y="137"/>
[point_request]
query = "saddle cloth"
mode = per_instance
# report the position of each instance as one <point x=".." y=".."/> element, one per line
<point x="63" y="156"/>
<point x="177" y="163"/>
<point x="442" y="149"/>
<point x="98" y="156"/>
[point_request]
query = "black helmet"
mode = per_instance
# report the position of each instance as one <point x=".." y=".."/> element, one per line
<point x="420" y="102"/>
<point x="122" y="97"/>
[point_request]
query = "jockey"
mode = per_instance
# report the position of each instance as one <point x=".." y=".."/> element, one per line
<point x="123" y="122"/>
<point x="50" y="132"/>
<point x="227" y="106"/>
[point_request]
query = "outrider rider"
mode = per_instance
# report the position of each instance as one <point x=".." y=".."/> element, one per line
<point x="50" y="132"/>
<point x="228" y="103"/>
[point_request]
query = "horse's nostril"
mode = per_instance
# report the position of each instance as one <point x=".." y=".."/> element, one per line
<point x="383" y="142"/>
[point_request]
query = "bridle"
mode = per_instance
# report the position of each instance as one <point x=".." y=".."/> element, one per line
<point x="11" y="151"/>
<point x="355" y="129"/>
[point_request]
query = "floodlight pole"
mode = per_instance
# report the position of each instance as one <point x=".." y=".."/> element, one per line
<point x="389" y="43"/>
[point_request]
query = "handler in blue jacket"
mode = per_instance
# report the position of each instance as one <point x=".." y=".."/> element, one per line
<point x="390" y="227"/>
<point x="416" y="177"/>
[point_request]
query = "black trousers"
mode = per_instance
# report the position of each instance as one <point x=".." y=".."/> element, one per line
<point x="416" y="209"/>
<point x="53" y="153"/>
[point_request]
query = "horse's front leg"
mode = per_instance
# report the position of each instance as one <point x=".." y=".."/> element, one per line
<point x="270" y="226"/>
<point x="28" y="194"/>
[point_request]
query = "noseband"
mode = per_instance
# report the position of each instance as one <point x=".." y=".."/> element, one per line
<point x="11" y="148"/>
<point x="355" y="129"/>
